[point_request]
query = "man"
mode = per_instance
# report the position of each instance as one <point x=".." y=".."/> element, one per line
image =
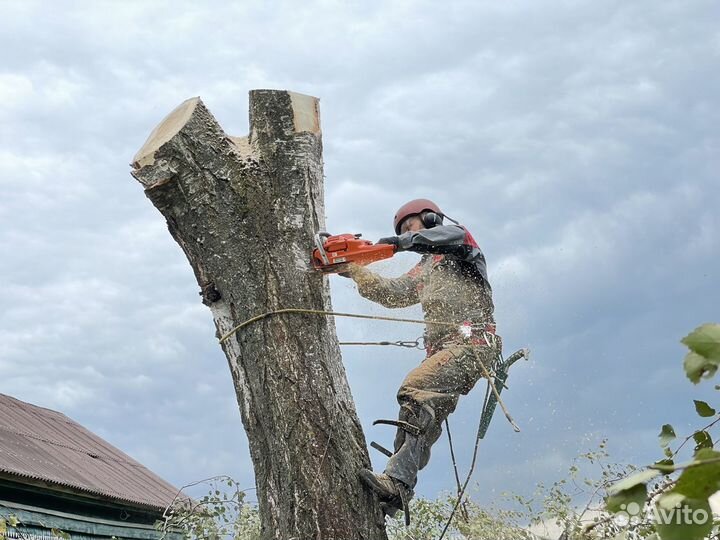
<point x="451" y="284"/>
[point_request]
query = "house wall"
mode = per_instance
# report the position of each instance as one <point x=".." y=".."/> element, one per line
<point x="40" y="511"/>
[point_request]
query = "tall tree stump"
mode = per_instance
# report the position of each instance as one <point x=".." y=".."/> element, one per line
<point x="244" y="211"/>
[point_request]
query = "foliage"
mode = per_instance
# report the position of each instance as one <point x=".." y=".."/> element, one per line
<point x="9" y="521"/>
<point x="11" y="527"/>
<point x="3" y="528"/>
<point x="678" y="507"/>
<point x="429" y="518"/>
<point x="572" y="505"/>
<point x="568" y="505"/>
<point x="222" y="513"/>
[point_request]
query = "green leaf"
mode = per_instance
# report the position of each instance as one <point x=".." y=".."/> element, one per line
<point x="702" y="478"/>
<point x="691" y="520"/>
<point x="705" y="341"/>
<point x="665" y="466"/>
<point x="703" y="409"/>
<point x="630" y="500"/>
<point x="629" y="490"/>
<point x="703" y="440"/>
<point x="704" y="357"/>
<point x="667" y="435"/>
<point x="698" y="367"/>
<point x="633" y="480"/>
<point x="60" y="534"/>
<point x="13" y="521"/>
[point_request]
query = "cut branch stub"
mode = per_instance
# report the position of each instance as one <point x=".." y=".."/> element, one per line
<point x="244" y="211"/>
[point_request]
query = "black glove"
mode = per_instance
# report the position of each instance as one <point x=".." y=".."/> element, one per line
<point x="392" y="240"/>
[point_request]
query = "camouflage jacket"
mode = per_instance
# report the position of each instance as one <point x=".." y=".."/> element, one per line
<point x="450" y="281"/>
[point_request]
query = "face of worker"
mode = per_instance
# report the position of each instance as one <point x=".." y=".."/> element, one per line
<point x="413" y="223"/>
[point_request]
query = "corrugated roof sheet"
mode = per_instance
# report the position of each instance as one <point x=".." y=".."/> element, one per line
<point x="41" y="444"/>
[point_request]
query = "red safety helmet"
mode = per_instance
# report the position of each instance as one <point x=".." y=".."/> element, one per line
<point x="413" y="208"/>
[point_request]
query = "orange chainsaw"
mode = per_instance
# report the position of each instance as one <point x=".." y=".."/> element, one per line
<point x="333" y="253"/>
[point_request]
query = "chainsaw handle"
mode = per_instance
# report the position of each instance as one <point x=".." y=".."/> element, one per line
<point x="319" y="245"/>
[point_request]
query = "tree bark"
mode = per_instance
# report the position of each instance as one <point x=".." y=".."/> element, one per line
<point x="244" y="211"/>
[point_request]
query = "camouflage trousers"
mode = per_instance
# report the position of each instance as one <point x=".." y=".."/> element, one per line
<point x="429" y="393"/>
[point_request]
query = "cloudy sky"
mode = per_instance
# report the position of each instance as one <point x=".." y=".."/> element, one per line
<point x="577" y="140"/>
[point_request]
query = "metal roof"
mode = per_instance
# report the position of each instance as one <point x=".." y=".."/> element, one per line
<point x="44" y="445"/>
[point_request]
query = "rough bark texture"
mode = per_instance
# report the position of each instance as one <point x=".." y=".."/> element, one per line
<point x="244" y="211"/>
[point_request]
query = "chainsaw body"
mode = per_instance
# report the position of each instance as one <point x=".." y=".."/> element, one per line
<point x="333" y="253"/>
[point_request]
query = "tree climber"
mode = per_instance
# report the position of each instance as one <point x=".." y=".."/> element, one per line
<point x="451" y="284"/>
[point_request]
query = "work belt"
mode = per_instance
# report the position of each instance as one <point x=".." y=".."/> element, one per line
<point x="477" y="335"/>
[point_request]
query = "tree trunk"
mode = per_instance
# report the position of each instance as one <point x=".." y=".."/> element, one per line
<point x="244" y="211"/>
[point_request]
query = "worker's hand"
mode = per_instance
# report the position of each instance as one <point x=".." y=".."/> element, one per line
<point x="392" y="240"/>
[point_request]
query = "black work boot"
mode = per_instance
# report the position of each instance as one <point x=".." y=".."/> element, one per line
<point x="389" y="509"/>
<point x="385" y="487"/>
<point x="393" y="494"/>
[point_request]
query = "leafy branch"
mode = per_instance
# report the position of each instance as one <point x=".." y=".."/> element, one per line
<point x="221" y="513"/>
<point x="680" y="507"/>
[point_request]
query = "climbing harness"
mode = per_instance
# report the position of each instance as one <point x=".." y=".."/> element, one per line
<point x="479" y="335"/>
<point x="474" y="335"/>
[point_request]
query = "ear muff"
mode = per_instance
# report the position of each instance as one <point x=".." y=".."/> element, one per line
<point x="431" y="219"/>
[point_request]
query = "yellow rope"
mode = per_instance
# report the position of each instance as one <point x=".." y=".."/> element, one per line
<point x="331" y="314"/>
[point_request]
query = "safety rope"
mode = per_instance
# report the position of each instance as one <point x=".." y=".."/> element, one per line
<point x="463" y="506"/>
<point x="332" y="314"/>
